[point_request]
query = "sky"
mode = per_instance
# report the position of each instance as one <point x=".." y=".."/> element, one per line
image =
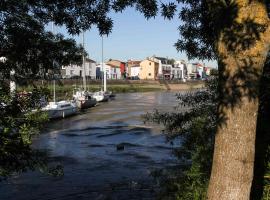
<point x="134" y="37"/>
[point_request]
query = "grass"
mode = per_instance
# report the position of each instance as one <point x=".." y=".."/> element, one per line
<point x="66" y="91"/>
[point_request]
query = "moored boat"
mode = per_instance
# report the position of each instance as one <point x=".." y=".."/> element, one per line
<point x="60" y="109"/>
<point x="84" y="99"/>
<point x="101" y="96"/>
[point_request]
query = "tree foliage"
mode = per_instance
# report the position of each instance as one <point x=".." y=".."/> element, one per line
<point x="195" y="129"/>
<point x="193" y="124"/>
<point x="18" y="124"/>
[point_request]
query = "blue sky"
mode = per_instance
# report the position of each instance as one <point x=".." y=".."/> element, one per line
<point x="134" y="37"/>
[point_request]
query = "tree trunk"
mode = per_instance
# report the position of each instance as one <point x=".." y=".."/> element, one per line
<point x="262" y="135"/>
<point x="242" y="49"/>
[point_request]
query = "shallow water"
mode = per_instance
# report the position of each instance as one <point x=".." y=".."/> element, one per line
<point x="86" y="146"/>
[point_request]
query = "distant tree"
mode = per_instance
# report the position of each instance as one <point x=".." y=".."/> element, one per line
<point x="171" y="61"/>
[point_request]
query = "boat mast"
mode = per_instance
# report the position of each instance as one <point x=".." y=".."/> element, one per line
<point x="83" y="59"/>
<point x="104" y="69"/>
<point x="54" y="97"/>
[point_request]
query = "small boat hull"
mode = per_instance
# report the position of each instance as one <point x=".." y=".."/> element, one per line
<point x="57" y="114"/>
<point x="60" y="109"/>
<point x="84" y="104"/>
<point x="101" y="96"/>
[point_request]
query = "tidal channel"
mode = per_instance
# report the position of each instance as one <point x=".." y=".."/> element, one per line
<point x="86" y="146"/>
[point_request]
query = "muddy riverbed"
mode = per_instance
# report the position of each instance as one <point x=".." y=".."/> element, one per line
<point x="86" y="146"/>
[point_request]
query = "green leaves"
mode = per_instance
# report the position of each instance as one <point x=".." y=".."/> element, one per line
<point x="193" y="125"/>
<point x="168" y="10"/>
<point x="18" y="123"/>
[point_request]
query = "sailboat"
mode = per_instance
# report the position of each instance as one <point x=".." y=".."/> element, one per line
<point x="102" y="95"/>
<point x="83" y="98"/>
<point x="60" y="109"/>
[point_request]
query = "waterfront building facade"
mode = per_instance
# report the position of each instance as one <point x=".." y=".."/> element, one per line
<point x="112" y="72"/>
<point x="148" y="69"/>
<point x="74" y="70"/>
<point x="133" y="69"/>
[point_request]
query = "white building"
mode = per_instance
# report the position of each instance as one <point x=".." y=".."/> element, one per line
<point x="191" y="71"/>
<point x="135" y="71"/>
<point x="133" y="68"/>
<point x="179" y="70"/>
<point x="77" y="70"/>
<point x="112" y="72"/>
<point x="197" y="71"/>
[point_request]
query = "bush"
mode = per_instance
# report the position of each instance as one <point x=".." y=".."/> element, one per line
<point x="195" y="129"/>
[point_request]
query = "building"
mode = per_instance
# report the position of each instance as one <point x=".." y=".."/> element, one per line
<point x="148" y="69"/>
<point x="133" y="69"/>
<point x="197" y="71"/>
<point x="77" y="70"/>
<point x="207" y="70"/>
<point x="179" y="70"/>
<point x="164" y="67"/>
<point x="118" y="64"/>
<point x="192" y="70"/>
<point x="112" y="72"/>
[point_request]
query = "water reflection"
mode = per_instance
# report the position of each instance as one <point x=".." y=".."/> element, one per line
<point x="86" y="146"/>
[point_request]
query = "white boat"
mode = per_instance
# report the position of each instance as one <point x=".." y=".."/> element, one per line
<point x="60" y="109"/>
<point x="101" y="96"/>
<point x="84" y="99"/>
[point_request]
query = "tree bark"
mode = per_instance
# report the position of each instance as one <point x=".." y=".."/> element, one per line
<point x="242" y="49"/>
<point x="262" y="135"/>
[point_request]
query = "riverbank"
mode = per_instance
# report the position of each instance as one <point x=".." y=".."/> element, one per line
<point x="64" y="88"/>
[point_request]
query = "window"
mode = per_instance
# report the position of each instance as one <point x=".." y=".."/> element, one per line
<point x="149" y="63"/>
<point x="71" y="72"/>
<point x="149" y="74"/>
